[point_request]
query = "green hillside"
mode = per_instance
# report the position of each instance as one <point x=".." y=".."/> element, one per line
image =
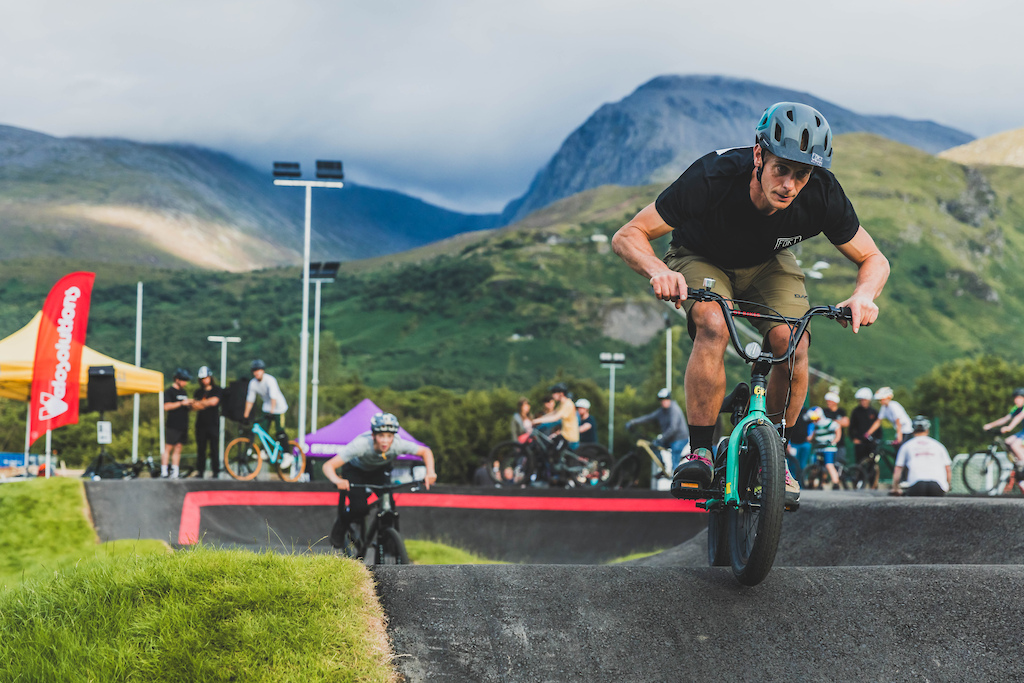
<point x="513" y="305"/>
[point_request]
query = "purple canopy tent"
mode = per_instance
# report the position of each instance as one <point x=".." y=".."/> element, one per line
<point x="328" y="441"/>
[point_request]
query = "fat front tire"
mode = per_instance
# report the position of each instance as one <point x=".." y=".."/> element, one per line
<point x="394" y="551"/>
<point x="511" y="464"/>
<point x="625" y="472"/>
<point x="242" y="459"/>
<point x="298" y="468"/>
<point x="756" y="526"/>
<point x="982" y="473"/>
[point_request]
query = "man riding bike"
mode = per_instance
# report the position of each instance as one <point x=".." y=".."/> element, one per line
<point x="733" y="214"/>
<point x="1011" y="423"/>
<point x="671" y="422"/>
<point x="368" y="459"/>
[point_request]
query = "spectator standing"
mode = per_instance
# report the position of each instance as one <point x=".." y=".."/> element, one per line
<point x="800" y="443"/>
<point x="206" y="403"/>
<point x="177" y="406"/>
<point x="588" y="424"/>
<point x="838" y="415"/>
<point x="521" y="422"/>
<point x="273" y="406"/>
<point x="929" y="469"/>
<point x="674" y="432"/>
<point x="861" y="421"/>
<point x="893" y="412"/>
<point x="825" y="437"/>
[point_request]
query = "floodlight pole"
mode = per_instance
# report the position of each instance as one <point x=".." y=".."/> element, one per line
<point x="304" y="332"/>
<point x="316" y="354"/>
<point x="224" y="341"/>
<point x="138" y="364"/>
<point x="611" y="361"/>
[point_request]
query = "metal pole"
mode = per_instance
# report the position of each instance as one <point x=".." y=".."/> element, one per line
<point x="49" y="443"/>
<point x="316" y="356"/>
<point x="668" y="357"/>
<point x="28" y="426"/>
<point x="223" y="383"/>
<point x="611" y="408"/>
<point x="138" y="364"/>
<point x="304" y="333"/>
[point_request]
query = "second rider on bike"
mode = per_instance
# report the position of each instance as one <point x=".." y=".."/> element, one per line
<point x="368" y="459"/>
<point x="733" y="214"/>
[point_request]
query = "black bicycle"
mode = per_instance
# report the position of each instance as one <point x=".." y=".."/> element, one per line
<point x="377" y="540"/>
<point x="628" y="470"/>
<point x="539" y="460"/>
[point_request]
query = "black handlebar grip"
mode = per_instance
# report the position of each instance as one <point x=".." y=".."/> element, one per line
<point x="847" y="313"/>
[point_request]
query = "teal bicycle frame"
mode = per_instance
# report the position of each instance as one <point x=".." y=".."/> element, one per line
<point x="271" y="445"/>
<point x="756" y="415"/>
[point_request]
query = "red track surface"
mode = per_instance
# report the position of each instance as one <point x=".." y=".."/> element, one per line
<point x="188" y="531"/>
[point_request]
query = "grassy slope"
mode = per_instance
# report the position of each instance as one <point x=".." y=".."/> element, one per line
<point x="73" y="610"/>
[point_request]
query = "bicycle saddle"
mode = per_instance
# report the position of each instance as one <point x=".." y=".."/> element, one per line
<point x="736" y="402"/>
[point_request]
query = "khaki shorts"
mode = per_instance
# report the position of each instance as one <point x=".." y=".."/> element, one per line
<point x="776" y="286"/>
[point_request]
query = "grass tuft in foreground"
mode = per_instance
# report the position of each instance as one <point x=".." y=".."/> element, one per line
<point x="198" y="615"/>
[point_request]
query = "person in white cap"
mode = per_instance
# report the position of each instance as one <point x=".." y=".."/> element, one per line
<point x="893" y="412"/>
<point x="837" y="414"/>
<point x="861" y="420"/>
<point x="588" y="425"/>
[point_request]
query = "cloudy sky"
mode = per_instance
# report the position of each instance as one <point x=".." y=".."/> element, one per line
<point x="460" y="102"/>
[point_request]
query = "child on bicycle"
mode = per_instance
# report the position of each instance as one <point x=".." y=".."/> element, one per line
<point x="1009" y="423"/>
<point x="825" y="438"/>
<point x="368" y="459"/>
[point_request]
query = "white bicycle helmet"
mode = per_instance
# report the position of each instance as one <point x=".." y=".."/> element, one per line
<point x="864" y="393"/>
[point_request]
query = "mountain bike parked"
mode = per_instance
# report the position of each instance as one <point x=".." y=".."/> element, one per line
<point x="539" y="460"/>
<point x="627" y="469"/>
<point x="377" y="539"/>
<point x="244" y="456"/>
<point x="989" y="472"/>
<point x="747" y="495"/>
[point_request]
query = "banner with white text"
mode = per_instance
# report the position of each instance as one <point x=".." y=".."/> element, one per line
<point x="57" y="367"/>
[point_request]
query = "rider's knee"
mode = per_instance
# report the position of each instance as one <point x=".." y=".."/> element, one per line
<point x="711" y="328"/>
<point x="778" y="338"/>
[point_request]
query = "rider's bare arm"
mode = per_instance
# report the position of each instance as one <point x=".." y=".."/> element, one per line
<point x="330" y="471"/>
<point x="995" y="423"/>
<point x="632" y="242"/>
<point x="1014" y="422"/>
<point x="428" y="460"/>
<point x="872" y="273"/>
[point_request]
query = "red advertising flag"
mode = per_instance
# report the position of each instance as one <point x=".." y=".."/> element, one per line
<point x="58" y="361"/>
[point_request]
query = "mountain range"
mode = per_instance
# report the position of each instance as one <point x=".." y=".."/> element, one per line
<point x="176" y="205"/>
<point x="652" y="135"/>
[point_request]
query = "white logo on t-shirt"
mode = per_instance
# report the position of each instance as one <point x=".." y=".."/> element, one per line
<point x="784" y="242"/>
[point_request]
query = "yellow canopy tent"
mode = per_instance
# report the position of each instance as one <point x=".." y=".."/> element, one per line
<point x="18" y="352"/>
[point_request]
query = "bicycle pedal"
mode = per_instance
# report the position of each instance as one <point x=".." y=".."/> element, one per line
<point x="691" y="491"/>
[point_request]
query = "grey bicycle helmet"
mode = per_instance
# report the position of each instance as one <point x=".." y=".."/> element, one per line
<point x="182" y="374"/>
<point x="1019" y="391"/>
<point x="921" y="424"/>
<point x="796" y="132"/>
<point x="384" y="422"/>
<point x="559" y="388"/>
<point x="204" y="372"/>
<point x="257" y="365"/>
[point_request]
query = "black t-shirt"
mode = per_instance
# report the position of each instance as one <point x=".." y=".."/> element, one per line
<point x="177" y="418"/>
<point x="209" y="418"/>
<point x="711" y="214"/>
<point x="797" y="434"/>
<point x="861" y="420"/>
<point x="589" y="436"/>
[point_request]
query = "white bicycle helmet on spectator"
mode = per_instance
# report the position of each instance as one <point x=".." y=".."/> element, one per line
<point x="665" y="393"/>
<point x="921" y="424"/>
<point x="884" y="392"/>
<point x="204" y="372"/>
<point x="583" y="403"/>
<point x="864" y="393"/>
<point x="815" y="414"/>
<point x="384" y="422"/>
<point x="832" y="396"/>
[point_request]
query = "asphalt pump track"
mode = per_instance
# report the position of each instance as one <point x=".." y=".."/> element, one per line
<point x="864" y="588"/>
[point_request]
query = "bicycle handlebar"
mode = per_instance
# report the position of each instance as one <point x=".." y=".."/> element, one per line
<point x="390" y="488"/>
<point x="832" y="312"/>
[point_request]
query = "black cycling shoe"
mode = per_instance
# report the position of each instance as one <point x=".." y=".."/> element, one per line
<point x="692" y="473"/>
